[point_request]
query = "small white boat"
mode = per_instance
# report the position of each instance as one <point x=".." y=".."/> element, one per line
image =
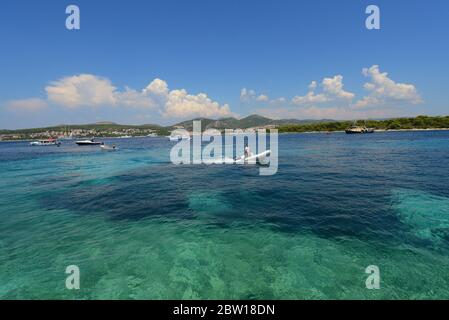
<point x="260" y="158"/>
<point x="105" y="147"/>
<point x="45" y="142"/>
<point x="90" y="142"/>
<point x="175" y="137"/>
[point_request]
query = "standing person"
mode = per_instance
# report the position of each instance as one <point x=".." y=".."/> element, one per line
<point x="247" y="151"/>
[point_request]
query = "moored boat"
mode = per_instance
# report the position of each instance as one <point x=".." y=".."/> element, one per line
<point x="175" y="137"/>
<point x="45" y="142"/>
<point x="358" y="129"/>
<point x="90" y="142"/>
<point x="105" y="147"/>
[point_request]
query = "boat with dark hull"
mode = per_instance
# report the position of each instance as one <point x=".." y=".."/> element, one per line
<point x="358" y="130"/>
<point x="90" y="142"/>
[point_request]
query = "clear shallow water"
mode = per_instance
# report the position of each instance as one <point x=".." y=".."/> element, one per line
<point x="141" y="228"/>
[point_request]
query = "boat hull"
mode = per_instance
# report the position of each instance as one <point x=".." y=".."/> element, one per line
<point x="358" y="132"/>
<point x="44" y="144"/>
<point x="81" y="143"/>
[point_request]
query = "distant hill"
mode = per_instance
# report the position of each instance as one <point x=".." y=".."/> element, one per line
<point x="244" y="123"/>
<point x="107" y="129"/>
<point x="223" y="123"/>
<point x="105" y="122"/>
<point x="99" y="126"/>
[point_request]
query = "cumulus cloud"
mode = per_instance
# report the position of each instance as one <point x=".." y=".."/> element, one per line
<point x="332" y="89"/>
<point x="87" y="90"/>
<point x="383" y="90"/>
<point x="81" y="90"/>
<point x="329" y="99"/>
<point x="29" y="105"/>
<point x="180" y="104"/>
<point x="157" y="87"/>
<point x="247" y="95"/>
<point x="134" y="99"/>
<point x="310" y="98"/>
<point x="263" y="98"/>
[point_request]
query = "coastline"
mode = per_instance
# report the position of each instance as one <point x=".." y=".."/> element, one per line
<point x="375" y="130"/>
<point x="292" y="132"/>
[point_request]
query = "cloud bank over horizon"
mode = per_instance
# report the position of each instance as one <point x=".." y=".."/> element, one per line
<point x="91" y="91"/>
<point x="327" y="98"/>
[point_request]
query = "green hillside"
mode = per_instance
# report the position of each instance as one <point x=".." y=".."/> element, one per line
<point x="420" y="122"/>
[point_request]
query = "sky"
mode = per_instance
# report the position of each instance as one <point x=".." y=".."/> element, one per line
<point x="140" y="62"/>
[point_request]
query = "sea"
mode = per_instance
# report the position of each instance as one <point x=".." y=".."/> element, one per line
<point x="139" y="227"/>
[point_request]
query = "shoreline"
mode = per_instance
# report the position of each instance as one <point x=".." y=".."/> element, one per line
<point x="375" y="130"/>
<point x="293" y="132"/>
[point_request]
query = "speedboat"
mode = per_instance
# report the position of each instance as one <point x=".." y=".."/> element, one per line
<point x="46" y="142"/>
<point x="105" y="147"/>
<point x="175" y="138"/>
<point x="90" y="142"/>
<point x="357" y="129"/>
<point x="260" y="158"/>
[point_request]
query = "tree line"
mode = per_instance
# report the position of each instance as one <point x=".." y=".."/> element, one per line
<point x="420" y="122"/>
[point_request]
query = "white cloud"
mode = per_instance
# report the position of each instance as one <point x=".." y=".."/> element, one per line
<point x="29" y="105"/>
<point x="332" y="90"/>
<point x="180" y="104"/>
<point x="383" y="90"/>
<point x="81" y="90"/>
<point x="386" y="98"/>
<point x="87" y="90"/>
<point x="334" y="87"/>
<point x="263" y="98"/>
<point x="247" y="95"/>
<point x="312" y="86"/>
<point x="157" y="87"/>
<point x="327" y="99"/>
<point x="133" y="98"/>
<point x="280" y="100"/>
<point x="309" y="98"/>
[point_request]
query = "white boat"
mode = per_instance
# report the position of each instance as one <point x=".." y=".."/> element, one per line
<point x="175" y="137"/>
<point x="105" y="147"/>
<point x="260" y="158"/>
<point x="45" y="142"/>
<point x="359" y="130"/>
<point x="90" y="142"/>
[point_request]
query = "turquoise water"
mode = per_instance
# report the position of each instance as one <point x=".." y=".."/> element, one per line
<point x="139" y="227"/>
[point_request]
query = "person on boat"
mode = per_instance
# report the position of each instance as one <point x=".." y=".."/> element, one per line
<point x="247" y="151"/>
<point x="113" y="146"/>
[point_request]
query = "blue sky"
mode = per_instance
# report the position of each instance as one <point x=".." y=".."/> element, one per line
<point x="163" y="61"/>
